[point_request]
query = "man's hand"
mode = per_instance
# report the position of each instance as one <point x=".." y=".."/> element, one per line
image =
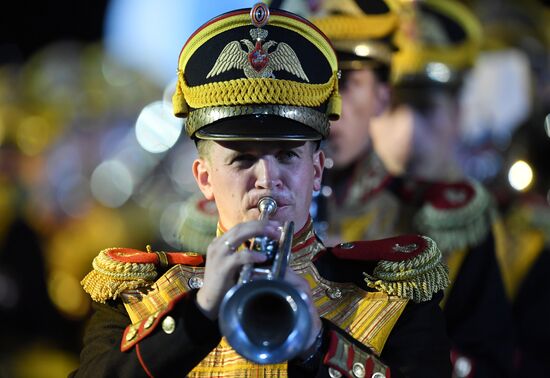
<point x="223" y="261"/>
<point x="302" y="286"/>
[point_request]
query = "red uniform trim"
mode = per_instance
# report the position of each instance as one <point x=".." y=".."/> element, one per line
<point x="128" y="255"/>
<point x="351" y="357"/>
<point x="142" y="363"/>
<point x="436" y="195"/>
<point x="383" y="249"/>
<point x="369" y="367"/>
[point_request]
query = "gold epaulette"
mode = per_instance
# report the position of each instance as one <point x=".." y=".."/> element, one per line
<point x="456" y="215"/>
<point x="119" y="269"/>
<point x="409" y="266"/>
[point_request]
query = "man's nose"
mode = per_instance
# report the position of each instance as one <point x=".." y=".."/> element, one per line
<point x="268" y="174"/>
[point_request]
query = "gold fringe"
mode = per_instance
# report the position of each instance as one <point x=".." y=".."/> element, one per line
<point x="464" y="227"/>
<point x="110" y="278"/>
<point x="416" y="279"/>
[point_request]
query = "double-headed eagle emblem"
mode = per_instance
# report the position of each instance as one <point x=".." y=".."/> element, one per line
<point x="258" y="61"/>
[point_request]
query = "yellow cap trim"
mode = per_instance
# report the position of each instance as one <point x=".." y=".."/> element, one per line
<point x="340" y="27"/>
<point x="413" y="54"/>
<point x="257" y="91"/>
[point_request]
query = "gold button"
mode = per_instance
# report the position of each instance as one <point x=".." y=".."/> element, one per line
<point x="168" y="325"/>
<point x="347" y="245"/>
<point x="191" y="254"/>
<point x="358" y="370"/>
<point x="334" y="293"/>
<point x="408" y="248"/>
<point x="195" y="282"/>
<point x="149" y="322"/>
<point x="333" y="373"/>
<point x="132" y="332"/>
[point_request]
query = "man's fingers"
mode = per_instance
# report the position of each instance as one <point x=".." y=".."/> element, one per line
<point x="297" y="281"/>
<point x="246" y="256"/>
<point x="245" y="231"/>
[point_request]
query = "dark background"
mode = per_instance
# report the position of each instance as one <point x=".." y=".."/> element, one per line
<point x="27" y="26"/>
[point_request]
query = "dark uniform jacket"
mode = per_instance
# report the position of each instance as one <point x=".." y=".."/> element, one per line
<point x="379" y="302"/>
<point x="459" y="216"/>
<point x="528" y="269"/>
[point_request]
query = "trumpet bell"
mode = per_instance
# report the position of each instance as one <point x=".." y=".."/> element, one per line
<point x="265" y="321"/>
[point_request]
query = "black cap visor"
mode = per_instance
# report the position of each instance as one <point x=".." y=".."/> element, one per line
<point x="260" y="127"/>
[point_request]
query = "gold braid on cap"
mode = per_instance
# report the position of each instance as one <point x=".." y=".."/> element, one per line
<point x="416" y="279"/>
<point x="346" y="27"/>
<point x="257" y="91"/>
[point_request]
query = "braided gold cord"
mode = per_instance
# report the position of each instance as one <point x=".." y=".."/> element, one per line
<point x="416" y="279"/>
<point x="258" y="91"/>
<point x="338" y="27"/>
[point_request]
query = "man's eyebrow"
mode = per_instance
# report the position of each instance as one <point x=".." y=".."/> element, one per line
<point x="235" y="154"/>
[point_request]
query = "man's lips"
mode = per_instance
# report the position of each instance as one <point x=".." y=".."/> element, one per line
<point x="282" y="200"/>
<point x="280" y="206"/>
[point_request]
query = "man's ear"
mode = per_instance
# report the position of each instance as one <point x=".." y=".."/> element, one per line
<point x="201" y="172"/>
<point x="318" y="166"/>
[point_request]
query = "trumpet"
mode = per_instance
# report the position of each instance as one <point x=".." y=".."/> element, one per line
<point x="263" y="317"/>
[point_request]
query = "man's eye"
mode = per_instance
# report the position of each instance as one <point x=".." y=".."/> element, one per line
<point x="243" y="159"/>
<point x="286" y="156"/>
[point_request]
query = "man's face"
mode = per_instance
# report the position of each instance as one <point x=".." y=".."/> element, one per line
<point x="434" y="139"/>
<point x="363" y="97"/>
<point x="237" y="174"/>
<point x="421" y="145"/>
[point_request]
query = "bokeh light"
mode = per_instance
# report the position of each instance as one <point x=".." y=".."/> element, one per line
<point x="156" y="129"/>
<point x="170" y="223"/>
<point x="112" y="184"/>
<point x="66" y="293"/>
<point x="362" y="50"/>
<point x="520" y="175"/>
<point x="438" y="72"/>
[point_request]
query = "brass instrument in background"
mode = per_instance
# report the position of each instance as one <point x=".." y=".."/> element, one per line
<point x="264" y="318"/>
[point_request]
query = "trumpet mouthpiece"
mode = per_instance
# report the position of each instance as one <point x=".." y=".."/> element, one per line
<point x="267" y="206"/>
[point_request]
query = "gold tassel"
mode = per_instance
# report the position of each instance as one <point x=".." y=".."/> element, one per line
<point x="416" y="279"/>
<point x="110" y="278"/>
<point x="181" y="109"/>
<point x="334" y="105"/>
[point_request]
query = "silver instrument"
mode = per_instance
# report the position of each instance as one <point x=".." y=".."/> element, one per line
<point x="264" y="318"/>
